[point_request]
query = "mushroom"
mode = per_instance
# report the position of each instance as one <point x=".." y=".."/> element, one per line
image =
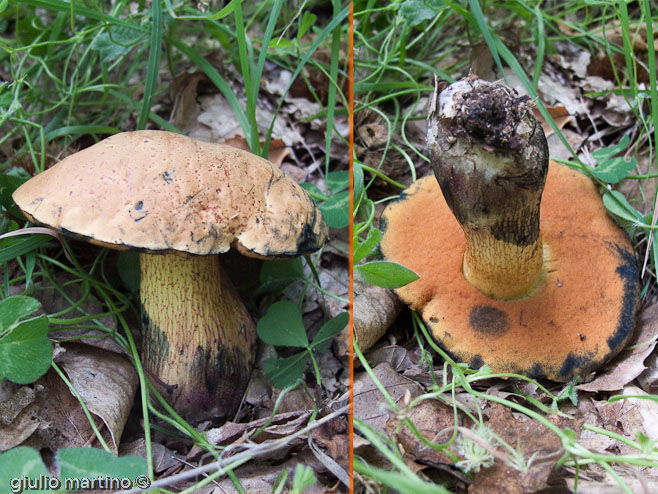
<point x="179" y="201"/>
<point x="544" y="294"/>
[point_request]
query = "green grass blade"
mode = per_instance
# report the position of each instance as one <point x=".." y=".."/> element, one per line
<point x="245" y="52"/>
<point x="267" y="37"/>
<point x="331" y="96"/>
<point x="221" y="84"/>
<point x="23" y="246"/>
<point x="77" y="130"/>
<point x="77" y="9"/>
<point x="335" y="23"/>
<point x="153" y="66"/>
<point x="478" y="16"/>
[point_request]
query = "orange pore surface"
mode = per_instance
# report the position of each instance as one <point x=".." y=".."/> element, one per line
<point x="580" y="317"/>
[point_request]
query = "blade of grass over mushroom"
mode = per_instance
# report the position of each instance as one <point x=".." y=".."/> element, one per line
<point x="252" y="72"/>
<point x="153" y="64"/>
<point x="246" y="53"/>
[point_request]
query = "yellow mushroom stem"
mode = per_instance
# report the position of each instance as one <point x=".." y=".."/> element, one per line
<point x="199" y="339"/>
<point x="502" y="270"/>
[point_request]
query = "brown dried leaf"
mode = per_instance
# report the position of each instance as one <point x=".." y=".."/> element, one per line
<point x="629" y="364"/>
<point x="368" y="400"/>
<point x="183" y="92"/>
<point x="281" y="425"/>
<point x="107" y="383"/>
<point x="532" y="439"/>
<point x="397" y="356"/>
<point x="560" y="115"/>
<point x="17" y="418"/>
<point x="430" y="417"/>
<point x="638" y="414"/>
<point x="163" y="458"/>
<point x="63" y="424"/>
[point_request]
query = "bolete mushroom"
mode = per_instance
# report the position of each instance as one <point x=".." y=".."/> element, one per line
<point x="545" y="294"/>
<point x="179" y="202"/>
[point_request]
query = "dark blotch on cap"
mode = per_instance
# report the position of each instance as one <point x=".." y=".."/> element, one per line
<point x="488" y="320"/>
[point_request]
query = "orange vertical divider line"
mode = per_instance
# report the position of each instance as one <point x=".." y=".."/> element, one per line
<point x="350" y="97"/>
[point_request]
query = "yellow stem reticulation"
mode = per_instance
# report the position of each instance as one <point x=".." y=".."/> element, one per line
<point x="199" y="339"/>
<point x="502" y="270"/>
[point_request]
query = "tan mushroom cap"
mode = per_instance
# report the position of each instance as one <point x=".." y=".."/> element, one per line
<point x="160" y="191"/>
<point x="580" y="317"/>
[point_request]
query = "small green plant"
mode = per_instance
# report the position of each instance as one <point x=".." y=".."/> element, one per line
<point x="283" y="326"/>
<point x="475" y="455"/>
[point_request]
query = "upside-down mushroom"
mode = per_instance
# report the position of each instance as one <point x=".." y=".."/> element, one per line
<point x="180" y="202"/>
<point x="550" y="293"/>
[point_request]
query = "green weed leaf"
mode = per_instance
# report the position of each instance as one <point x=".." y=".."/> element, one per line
<point x="12" y="309"/>
<point x="89" y="463"/>
<point x="19" y="462"/>
<point x="11" y="248"/>
<point x="312" y="189"/>
<point x="26" y="352"/>
<point x="617" y="204"/>
<point x="129" y="271"/>
<point x="614" y="170"/>
<point x="386" y="274"/>
<point x="417" y="11"/>
<point x="8" y="184"/>
<point x="115" y="42"/>
<point x="337" y="181"/>
<point x="283" y="326"/>
<point x="364" y="248"/>
<point x="359" y="187"/>
<point x="79" y="464"/>
<point x="611" y="169"/>
<point x="335" y="210"/>
<point x="276" y="275"/>
<point x="307" y="21"/>
<point x="330" y="329"/>
<point x="284" y="372"/>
